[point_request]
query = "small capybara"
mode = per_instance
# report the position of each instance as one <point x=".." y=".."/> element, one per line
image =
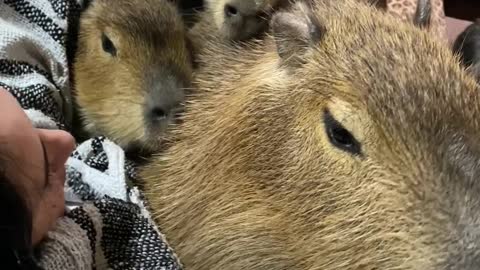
<point x="346" y="139"/>
<point x="240" y="19"/>
<point x="131" y="69"/>
<point x="233" y="22"/>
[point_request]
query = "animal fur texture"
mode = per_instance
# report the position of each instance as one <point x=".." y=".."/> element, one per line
<point x="240" y="19"/>
<point x="233" y="21"/>
<point x="346" y="139"/>
<point x="133" y="61"/>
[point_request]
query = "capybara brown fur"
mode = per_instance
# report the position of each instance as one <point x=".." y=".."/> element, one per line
<point x="233" y="22"/>
<point x="240" y="19"/>
<point x="345" y="139"/>
<point x="130" y="70"/>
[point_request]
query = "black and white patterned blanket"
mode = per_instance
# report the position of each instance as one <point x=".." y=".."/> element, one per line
<point x="107" y="225"/>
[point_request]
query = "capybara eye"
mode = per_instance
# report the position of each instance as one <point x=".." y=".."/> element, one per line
<point x="230" y="11"/>
<point x="108" y="46"/>
<point x="339" y="136"/>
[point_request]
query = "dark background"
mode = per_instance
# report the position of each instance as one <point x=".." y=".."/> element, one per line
<point x="190" y="4"/>
<point x="188" y="7"/>
<point x="462" y="9"/>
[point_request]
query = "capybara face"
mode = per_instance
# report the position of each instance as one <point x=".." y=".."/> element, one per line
<point x="241" y="19"/>
<point x="131" y="69"/>
<point x="346" y="140"/>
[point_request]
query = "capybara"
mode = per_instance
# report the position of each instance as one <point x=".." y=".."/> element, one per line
<point x="240" y="19"/>
<point x="131" y="69"/>
<point x="345" y="139"/>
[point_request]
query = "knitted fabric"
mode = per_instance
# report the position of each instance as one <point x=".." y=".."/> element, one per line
<point x="107" y="225"/>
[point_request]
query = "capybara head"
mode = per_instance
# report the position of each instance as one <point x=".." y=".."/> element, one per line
<point x="346" y="139"/>
<point x="131" y="69"/>
<point x="467" y="47"/>
<point x="242" y="19"/>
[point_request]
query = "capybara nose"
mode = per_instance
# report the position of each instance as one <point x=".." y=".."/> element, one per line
<point x="163" y="100"/>
<point x="158" y="114"/>
<point x="231" y="11"/>
<point x="162" y="113"/>
<point x="235" y="17"/>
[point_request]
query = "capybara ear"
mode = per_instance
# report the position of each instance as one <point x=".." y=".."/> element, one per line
<point x="295" y="31"/>
<point x="423" y="13"/>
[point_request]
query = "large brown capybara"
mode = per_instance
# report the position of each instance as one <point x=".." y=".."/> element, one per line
<point x="345" y="140"/>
